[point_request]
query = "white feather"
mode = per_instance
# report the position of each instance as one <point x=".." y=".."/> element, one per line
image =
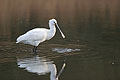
<point x="36" y="36"/>
<point x="33" y="37"/>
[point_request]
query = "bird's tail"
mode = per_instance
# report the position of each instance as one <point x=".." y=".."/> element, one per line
<point x="17" y="42"/>
<point x="20" y="38"/>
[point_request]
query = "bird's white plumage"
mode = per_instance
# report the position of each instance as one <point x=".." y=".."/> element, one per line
<point x="33" y="37"/>
<point x="36" y="36"/>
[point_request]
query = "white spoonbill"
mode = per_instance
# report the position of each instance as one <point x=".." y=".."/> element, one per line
<point x="35" y="36"/>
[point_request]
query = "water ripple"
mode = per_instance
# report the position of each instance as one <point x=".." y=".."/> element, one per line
<point x="64" y="50"/>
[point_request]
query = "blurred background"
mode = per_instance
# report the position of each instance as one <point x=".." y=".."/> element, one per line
<point x="93" y="26"/>
<point x="81" y="19"/>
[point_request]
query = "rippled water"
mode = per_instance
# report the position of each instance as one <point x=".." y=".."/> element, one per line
<point x="90" y="51"/>
<point x="40" y="66"/>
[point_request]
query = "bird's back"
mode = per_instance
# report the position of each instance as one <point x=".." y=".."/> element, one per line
<point x="33" y="37"/>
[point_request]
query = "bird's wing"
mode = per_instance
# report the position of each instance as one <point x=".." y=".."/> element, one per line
<point x="38" y="34"/>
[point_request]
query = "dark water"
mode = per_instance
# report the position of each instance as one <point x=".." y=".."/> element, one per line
<point x="91" y="50"/>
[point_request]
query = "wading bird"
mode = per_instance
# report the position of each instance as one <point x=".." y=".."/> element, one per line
<point x="35" y="36"/>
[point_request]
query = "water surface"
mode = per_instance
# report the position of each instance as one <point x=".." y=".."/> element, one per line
<point x="89" y="52"/>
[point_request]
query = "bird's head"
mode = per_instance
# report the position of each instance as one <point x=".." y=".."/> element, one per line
<point x="52" y="21"/>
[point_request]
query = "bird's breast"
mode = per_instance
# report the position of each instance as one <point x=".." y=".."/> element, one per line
<point x="50" y="34"/>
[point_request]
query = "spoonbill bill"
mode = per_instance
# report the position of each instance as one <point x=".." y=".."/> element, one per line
<point x="38" y="35"/>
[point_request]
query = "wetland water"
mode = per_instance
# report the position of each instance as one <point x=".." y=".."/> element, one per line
<point x="91" y="50"/>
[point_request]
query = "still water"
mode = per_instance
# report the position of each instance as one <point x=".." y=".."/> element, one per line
<point x="90" y="51"/>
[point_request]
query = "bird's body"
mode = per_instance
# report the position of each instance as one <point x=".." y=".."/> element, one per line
<point x="35" y="36"/>
<point x="32" y="37"/>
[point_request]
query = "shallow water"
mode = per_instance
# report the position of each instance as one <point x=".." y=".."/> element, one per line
<point x="90" y="50"/>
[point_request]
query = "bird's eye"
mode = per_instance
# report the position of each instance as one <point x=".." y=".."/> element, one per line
<point x="54" y="23"/>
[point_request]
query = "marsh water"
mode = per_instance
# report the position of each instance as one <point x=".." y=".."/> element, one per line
<point x="90" y="51"/>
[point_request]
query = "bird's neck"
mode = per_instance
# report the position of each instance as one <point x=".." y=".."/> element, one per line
<point x="52" y="28"/>
<point x="51" y="31"/>
<point x="53" y="72"/>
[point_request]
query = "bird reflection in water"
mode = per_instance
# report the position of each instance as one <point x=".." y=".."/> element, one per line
<point x="40" y="66"/>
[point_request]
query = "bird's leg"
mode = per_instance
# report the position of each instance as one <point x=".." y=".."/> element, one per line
<point x="34" y="49"/>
